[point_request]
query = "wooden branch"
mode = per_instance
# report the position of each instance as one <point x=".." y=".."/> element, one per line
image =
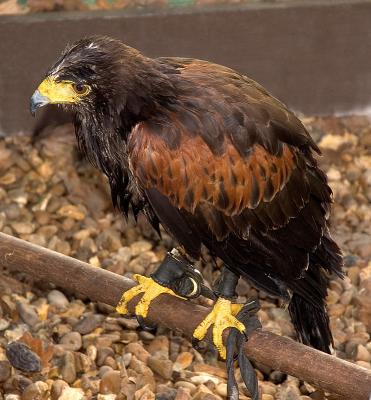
<point x="327" y="372"/>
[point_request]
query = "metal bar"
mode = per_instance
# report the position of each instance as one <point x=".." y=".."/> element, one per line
<point x="322" y="370"/>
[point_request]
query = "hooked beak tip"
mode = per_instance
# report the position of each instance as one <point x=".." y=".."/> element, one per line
<point x="37" y="101"/>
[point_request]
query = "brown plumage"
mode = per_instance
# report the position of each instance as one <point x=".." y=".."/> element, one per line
<point x="213" y="157"/>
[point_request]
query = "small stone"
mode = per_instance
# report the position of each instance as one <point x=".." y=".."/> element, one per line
<point x="138" y="350"/>
<point x="335" y="142"/>
<point x="277" y="377"/>
<point x="57" y="389"/>
<point x="36" y="391"/>
<point x="4" y="324"/>
<point x="210" y="370"/>
<point x="183" y="361"/>
<point x="23" y="228"/>
<point x="162" y="367"/>
<point x="16" y="383"/>
<point x="83" y="362"/>
<point x="111" y="362"/>
<point x="139" y="247"/>
<point x="159" y="346"/>
<point x="221" y="389"/>
<point x="103" y="353"/>
<point x="58" y="299"/>
<point x="11" y="396"/>
<point x="364" y="364"/>
<point x="346" y="297"/>
<point x="88" y="324"/>
<point x="5" y="370"/>
<point x="289" y="390"/>
<point x="72" y="394"/>
<point x="107" y="397"/>
<point x="268" y="388"/>
<point x="71" y="341"/>
<point x="103" y="369"/>
<point x="146" y="336"/>
<point x="77" y="213"/>
<point x="363" y="354"/>
<point x="186" y="385"/>
<point x="68" y="369"/>
<point x="182" y="394"/>
<point x="22" y="357"/>
<point x="139" y="264"/>
<point x="140" y="367"/>
<point x="27" y="314"/>
<point x="110" y="383"/>
<point x="91" y="352"/>
<point x="204" y="378"/>
<point x="126" y="359"/>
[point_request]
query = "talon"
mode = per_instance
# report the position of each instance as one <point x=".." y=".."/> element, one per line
<point x="144" y="325"/>
<point x="222" y="317"/>
<point x="150" y="290"/>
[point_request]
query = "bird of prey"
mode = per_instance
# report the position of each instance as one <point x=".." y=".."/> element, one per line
<point x="216" y="160"/>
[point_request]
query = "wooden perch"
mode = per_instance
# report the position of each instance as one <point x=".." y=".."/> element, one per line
<point x="322" y="370"/>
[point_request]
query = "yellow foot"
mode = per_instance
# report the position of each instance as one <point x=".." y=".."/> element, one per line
<point x="223" y="317"/>
<point x="150" y="290"/>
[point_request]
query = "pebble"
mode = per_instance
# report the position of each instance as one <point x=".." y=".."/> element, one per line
<point x="162" y="367"/>
<point x="71" y="341"/>
<point x="64" y="211"/>
<point x="159" y="346"/>
<point x="28" y="314"/>
<point x="110" y="397"/>
<point x="204" y="378"/>
<point x="5" y="370"/>
<point x="4" y="324"/>
<point x="72" y="394"/>
<point x="36" y="391"/>
<point x="138" y="350"/>
<point x="11" y="396"/>
<point x="110" y="383"/>
<point x="221" y="389"/>
<point x="57" y="388"/>
<point x="68" y="368"/>
<point x="88" y="323"/>
<point x="140" y="247"/>
<point x="182" y="394"/>
<point x="186" y="385"/>
<point x="183" y="361"/>
<point x="363" y="354"/>
<point x="58" y="299"/>
<point x="103" y="353"/>
<point x="22" y="357"/>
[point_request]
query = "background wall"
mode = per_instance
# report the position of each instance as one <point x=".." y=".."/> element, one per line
<point x="315" y="56"/>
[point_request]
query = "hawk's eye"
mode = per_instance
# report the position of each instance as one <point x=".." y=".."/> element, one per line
<point x="79" y="88"/>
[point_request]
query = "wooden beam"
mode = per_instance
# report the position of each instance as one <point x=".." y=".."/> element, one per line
<point x="327" y="372"/>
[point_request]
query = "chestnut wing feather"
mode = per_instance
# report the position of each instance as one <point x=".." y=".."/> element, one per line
<point x="230" y="165"/>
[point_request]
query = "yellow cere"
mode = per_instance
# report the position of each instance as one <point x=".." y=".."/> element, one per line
<point x="60" y="92"/>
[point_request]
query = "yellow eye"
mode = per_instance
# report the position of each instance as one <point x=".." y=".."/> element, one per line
<point x="80" y="88"/>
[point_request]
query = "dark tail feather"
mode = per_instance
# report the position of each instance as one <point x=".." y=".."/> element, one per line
<point x="311" y="323"/>
<point x="308" y="303"/>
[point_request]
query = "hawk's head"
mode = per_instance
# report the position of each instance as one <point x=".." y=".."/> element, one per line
<point x="89" y="74"/>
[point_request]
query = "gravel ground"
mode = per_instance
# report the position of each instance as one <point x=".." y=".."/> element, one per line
<point x="56" y="346"/>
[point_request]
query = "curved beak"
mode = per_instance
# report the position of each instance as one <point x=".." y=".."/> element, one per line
<point x="37" y="101"/>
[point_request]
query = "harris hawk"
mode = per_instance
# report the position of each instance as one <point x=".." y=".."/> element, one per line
<point x="217" y="161"/>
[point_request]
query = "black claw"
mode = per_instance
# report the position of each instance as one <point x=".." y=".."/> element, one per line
<point x="235" y="341"/>
<point x="196" y="344"/>
<point x="144" y="325"/>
